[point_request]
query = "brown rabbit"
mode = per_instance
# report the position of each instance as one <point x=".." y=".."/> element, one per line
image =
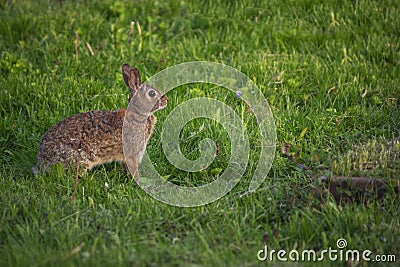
<point x="93" y="138"/>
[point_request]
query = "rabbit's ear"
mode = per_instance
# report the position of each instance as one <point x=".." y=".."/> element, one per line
<point x="135" y="78"/>
<point x="131" y="77"/>
<point x="126" y="73"/>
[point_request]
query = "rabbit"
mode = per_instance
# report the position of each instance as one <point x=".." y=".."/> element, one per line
<point x="88" y="139"/>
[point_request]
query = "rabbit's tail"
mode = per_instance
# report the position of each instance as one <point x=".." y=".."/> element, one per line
<point x="35" y="170"/>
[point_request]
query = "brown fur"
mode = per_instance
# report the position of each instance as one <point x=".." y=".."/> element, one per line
<point x="95" y="137"/>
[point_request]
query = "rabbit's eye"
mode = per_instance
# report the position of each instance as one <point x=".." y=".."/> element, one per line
<point x="152" y="93"/>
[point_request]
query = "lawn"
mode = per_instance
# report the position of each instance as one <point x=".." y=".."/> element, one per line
<point x="330" y="72"/>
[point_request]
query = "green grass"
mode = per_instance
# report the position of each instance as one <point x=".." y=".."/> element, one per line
<point x="330" y="71"/>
